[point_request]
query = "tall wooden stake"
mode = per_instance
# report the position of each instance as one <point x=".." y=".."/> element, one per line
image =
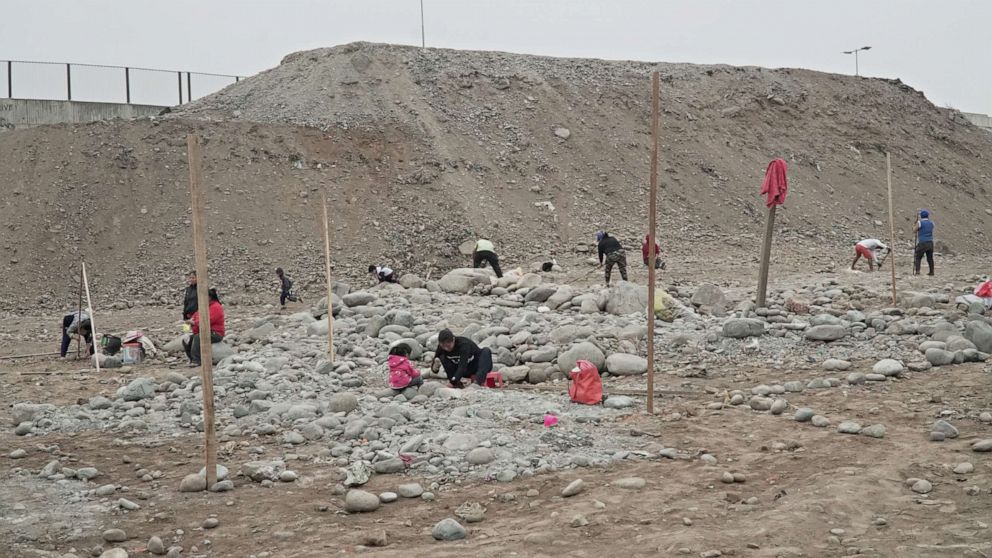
<point x="326" y="227"/>
<point x="193" y="148"/>
<point x="79" y="311"/>
<point x="766" y="254"/>
<point x="89" y="308"/>
<point x="892" y="224"/>
<point x="652" y="257"/>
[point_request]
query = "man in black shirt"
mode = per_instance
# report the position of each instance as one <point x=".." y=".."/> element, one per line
<point x="610" y="249"/>
<point x="189" y="301"/>
<point x="462" y="358"/>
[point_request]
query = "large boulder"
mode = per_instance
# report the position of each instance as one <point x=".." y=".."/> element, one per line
<point x="710" y="296"/>
<point x="627" y="298"/>
<point x="261" y="332"/>
<point x="220" y="351"/>
<point x="581" y="351"/>
<point x="739" y="328"/>
<point x="463" y="280"/>
<point x="359" y="298"/>
<point x="139" y="388"/>
<point x="626" y="365"/>
<point x="979" y="333"/>
<point x="562" y="296"/>
<point x="826" y="333"/>
<point x="568" y="333"/>
<point x="540" y="293"/>
<point x="411" y="281"/>
<point x="957" y="343"/>
<point x="321" y="308"/>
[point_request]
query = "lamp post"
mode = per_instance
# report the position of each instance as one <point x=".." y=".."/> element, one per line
<point x="855" y="53"/>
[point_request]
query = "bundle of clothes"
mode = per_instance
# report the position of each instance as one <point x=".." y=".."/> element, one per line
<point x="981" y="296"/>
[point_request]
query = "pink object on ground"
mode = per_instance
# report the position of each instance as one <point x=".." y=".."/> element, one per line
<point x="550" y="420"/>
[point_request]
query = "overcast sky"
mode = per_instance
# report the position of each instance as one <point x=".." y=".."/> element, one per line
<point x="939" y="46"/>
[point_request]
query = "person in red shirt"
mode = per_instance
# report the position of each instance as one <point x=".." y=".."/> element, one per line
<point x="658" y="264"/>
<point x="192" y="345"/>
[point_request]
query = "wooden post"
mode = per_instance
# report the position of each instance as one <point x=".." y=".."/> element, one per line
<point x="193" y="149"/>
<point x="766" y="254"/>
<point x="652" y="257"/>
<point x="892" y="225"/>
<point x="89" y="308"/>
<point x="79" y="311"/>
<point x="326" y="227"/>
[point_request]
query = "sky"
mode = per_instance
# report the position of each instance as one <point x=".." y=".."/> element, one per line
<point x="938" y="46"/>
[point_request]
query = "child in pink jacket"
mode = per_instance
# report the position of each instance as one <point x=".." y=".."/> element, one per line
<point x="402" y="374"/>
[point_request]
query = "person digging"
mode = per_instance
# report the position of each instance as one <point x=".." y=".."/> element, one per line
<point x="870" y="249"/>
<point x="461" y="358"/>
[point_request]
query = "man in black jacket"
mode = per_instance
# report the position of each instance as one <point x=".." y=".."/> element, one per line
<point x="462" y="358"/>
<point x="190" y="302"/>
<point x="610" y="249"/>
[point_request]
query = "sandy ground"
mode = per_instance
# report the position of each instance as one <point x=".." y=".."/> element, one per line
<point x="808" y="491"/>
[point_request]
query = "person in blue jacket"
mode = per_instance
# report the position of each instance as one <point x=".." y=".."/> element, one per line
<point x="924" y="242"/>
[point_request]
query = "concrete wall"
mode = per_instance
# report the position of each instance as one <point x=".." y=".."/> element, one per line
<point x="980" y="120"/>
<point x="23" y="113"/>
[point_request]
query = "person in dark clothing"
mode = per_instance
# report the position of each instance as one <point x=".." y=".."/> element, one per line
<point x="924" y="242"/>
<point x="69" y="321"/>
<point x="83" y="328"/>
<point x="190" y="301"/>
<point x="216" y="312"/>
<point x="285" y="286"/>
<point x="382" y="274"/>
<point x="462" y="358"/>
<point x="612" y="252"/>
<point x="484" y="251"/>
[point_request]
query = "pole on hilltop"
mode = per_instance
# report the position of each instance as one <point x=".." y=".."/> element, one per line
<point x="652" y="225"/>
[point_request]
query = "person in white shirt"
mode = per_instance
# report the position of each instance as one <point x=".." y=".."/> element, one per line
<point x="381" y="274"/>
<point x="871" y="249"/>
<point x="485" y="252"/>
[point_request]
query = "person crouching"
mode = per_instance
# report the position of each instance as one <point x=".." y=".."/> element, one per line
<point x="402" y="374"/>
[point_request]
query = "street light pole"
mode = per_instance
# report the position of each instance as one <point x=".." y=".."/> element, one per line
<point x="855" y="53"/>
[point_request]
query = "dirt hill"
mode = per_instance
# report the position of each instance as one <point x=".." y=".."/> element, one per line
<point x="420" y="150"/>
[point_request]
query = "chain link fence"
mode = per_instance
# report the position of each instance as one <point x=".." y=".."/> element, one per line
<point x="59" y="81"/>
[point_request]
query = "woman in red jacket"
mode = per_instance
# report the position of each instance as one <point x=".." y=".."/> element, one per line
<point x="658" y="264"/>
<point x="192" y="346"/>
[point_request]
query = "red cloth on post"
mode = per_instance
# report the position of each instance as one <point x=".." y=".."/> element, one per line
<point x="775" y="185"/>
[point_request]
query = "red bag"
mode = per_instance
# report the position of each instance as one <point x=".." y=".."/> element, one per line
<point x="585" y="387"/>
<point x="984" y="290"/>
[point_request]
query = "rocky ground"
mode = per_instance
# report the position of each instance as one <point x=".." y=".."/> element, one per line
<point x="831" y="423"/>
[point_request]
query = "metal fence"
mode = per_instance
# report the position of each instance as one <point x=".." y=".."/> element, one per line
<point x="108" y="84"/>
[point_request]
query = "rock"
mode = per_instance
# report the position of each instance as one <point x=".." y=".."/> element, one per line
<point x="411" y="281"/>
<point x="156" y="546"/>
<point x="360" y="501"/>
<point x="759" y="403"/>
<point x="922" y="487"/>
<point x="470" y="512"/>
<point x="957" y="343"/>
<point x="573" y="488"/>
<point x="221" y="351"/>
<point x="979" y="333"/>
<point x="460" y="441"/>
<point x="540" y="294"/>
<point x="836" y="365"/>
<point x="388" y="497"/>
<point x="710" y="296"/>
<point x="358" y="298"/>
<point x="288" y="476"/>
<point x="114" y="535"/>
<point x="87" y="473"/>
<point x="18" y="454"/>
<point x="581" y="351"/>
<point x="939" y="357"/>
<point x="630" y="483"/>
<point x="260" y="333"/>
<point x="210" y="523"/>
<point x="342" y="403"/>
<point x="193" y="483"/>
<point x="463" y="280"/>
<point x="563" y="133"/>
<point x="128" y="505"/>
<point x="937" y="437"/>
<point x="779" y="406"/>
<point x="627" y="298"/>
<point x="618" y="402"/>
<point x="826" y="333"/>
<point x="804" y="414"/>
<point x="448" y="530"/>
<point x="622" y="364"/>
<point x="963" y="468"/>
<point x="982" y="445"/>
<point x="517" y="374"/>
<point x="856" y="378"/>
<point x="874" y="431"/>
<point x="848" y="427"/>
<point x="220" y="471"/>
<point x="24" y="428"/>
<point x="357" y="474"/>
<point x="114" y="553"/>
<point x="820" y="421"/>
<point x="138" y="389"/>
<point x="739" y="328"/>
<point x="888" y="367"/>
<point x="222" y="486"/>
<point x="985" y="417"/>
<point x="946" y="428"/>
<point x="410" y="490"/>
<point x="562" y="297"/>
<point x="480" y="456"/>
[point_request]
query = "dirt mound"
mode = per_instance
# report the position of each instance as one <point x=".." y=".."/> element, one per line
<point x="420" y="150"/>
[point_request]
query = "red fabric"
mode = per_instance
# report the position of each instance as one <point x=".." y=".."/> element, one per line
<point x="984" y="290"/>
<point x="775" y="185"/>
<point x="216" y="319"/>
<point x="644" y="248"/>
<point x="586" y="386"/>
<point x="864" y="252"/>
<point x="401" y="372"/>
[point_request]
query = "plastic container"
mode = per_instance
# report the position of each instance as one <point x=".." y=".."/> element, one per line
<point x="132" y="353"/>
